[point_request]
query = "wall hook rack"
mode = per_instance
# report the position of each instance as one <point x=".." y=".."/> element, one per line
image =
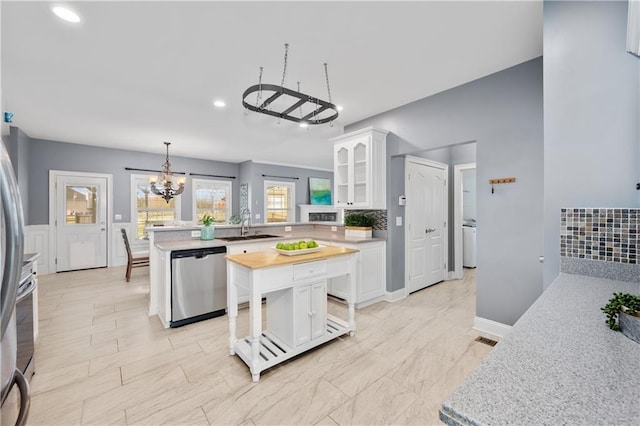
<point x="497" y="181"/>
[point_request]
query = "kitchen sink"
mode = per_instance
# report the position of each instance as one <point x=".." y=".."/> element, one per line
<point x="249" y="237"/>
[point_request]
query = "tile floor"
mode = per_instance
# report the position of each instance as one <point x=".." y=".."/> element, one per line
<point x="101" y="360"/>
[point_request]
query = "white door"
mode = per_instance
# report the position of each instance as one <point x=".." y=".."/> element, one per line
<point x="426" y="224"/>
<point x="81" y="222"/>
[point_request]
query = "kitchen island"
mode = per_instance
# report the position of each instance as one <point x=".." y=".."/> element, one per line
<point x="560" y="364"/>
<point x="296" y="293"/>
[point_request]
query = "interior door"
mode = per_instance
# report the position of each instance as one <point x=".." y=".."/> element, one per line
<point x="426" y="227"/>
<point x="81" y="222"/>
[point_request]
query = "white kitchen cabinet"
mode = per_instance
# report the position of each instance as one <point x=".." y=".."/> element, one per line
<point x="371" y="282"/>
<point x="254" y="247"/>
<point x="359" y="169"/>
<point x="298" y="315"/>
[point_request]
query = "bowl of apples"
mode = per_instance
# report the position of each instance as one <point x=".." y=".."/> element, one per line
<point x="295" y="248"/>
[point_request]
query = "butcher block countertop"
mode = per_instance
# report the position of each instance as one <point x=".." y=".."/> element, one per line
<point x="267" y="259"/>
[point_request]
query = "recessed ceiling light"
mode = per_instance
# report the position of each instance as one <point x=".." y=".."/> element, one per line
<point x="66" y="14"/>
<point x="339" y="107"/>
<point x="219" y="103"/>
<point x="304" y="125"/>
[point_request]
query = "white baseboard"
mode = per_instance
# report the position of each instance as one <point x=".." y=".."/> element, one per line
<point x="491" y="327"/>
<point x="394" y="296"/>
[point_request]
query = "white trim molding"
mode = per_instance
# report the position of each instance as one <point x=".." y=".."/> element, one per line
<point x="394" y="296"/>
<point x="36" y="240"/>
<point x="488" y="326"/>
<point x="458" y="218"/>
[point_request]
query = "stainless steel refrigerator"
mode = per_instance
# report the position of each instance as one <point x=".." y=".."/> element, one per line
<point x="15" y="387"/>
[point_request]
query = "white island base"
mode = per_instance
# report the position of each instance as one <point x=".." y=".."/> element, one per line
<point x="296" y="293"/>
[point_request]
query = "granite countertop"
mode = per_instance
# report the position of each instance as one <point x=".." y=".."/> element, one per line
<point x="196" y="243"/>
<point x="560" y="364"/>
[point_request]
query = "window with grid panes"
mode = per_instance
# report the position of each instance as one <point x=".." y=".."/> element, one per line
<point x="279" y="201"/>
<point x="148" y="208"/>
<point x="213" y="197"/>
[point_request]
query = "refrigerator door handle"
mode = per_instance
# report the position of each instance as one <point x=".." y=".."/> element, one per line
<point x="14" y="239"/>
<point x="25" y="398"/>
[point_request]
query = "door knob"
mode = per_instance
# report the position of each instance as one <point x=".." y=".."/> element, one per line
<point x="429" y="230"/>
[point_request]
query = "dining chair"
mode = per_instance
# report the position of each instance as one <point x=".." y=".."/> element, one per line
<point x="135" y="260"/>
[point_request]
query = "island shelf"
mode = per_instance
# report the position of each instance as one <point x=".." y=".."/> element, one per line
<point x="295" y="288"/>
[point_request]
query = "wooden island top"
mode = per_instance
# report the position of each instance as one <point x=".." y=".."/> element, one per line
<point x="269" y="258"/>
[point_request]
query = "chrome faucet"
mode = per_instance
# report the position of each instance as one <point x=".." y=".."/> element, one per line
<point x="246" y="218"/>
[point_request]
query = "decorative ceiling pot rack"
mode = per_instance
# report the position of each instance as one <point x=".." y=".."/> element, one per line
<point x="321" y="111"/>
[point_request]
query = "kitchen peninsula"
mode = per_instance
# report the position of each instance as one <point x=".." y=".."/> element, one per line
<point x="296" y="292"/>
<point x="370" y="281"/>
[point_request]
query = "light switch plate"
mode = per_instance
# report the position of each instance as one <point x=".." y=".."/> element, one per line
<point x="118" y="217"/>
<point x="334" y="229"/>
<point x="195" y="234"/>
<point x="398" y="220"/>
<point x="287" y="229"/>
<point x="257" y="215"/>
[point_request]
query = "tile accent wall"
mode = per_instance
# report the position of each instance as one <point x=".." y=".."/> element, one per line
<point x="601" y="243"/>
<point x="610" y="235"/>
<point x="379" y="216"/>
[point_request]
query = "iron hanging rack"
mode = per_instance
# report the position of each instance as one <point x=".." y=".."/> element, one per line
<point x="318" y="106"/>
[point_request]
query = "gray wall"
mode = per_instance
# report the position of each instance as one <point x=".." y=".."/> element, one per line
<point x="251" y="173"/>
<point x="591" y="97"/>
<point x="17" y="143"/>
<point x="503" y="114"/>
<point x="45" y="155"/>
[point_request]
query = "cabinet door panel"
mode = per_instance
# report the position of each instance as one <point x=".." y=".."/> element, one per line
<point x="302" y="314"/>
<point x="318" y="309"/>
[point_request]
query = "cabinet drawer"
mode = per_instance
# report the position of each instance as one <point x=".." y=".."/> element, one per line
<point x="310" y="269"/>
<point x="275" y="278"/>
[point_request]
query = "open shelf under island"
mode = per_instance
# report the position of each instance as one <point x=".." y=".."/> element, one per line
<point x="296" y="292"/>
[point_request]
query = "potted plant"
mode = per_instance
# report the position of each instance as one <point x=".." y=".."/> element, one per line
<point x="623" y="314"/>
<point x="358" y="225"/>
<point x="207" y="231"/>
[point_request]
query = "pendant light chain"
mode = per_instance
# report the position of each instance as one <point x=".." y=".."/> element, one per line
<point x="326" y="76"/>
<point x="284" y="71"/>
<point x="259" y="97"/>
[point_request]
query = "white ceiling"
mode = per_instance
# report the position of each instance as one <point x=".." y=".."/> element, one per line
<point x="134" y="74"/>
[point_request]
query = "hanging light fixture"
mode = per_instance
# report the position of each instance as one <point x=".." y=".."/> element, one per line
<point x="319" y="111"/>
<point x="165" y="189"/>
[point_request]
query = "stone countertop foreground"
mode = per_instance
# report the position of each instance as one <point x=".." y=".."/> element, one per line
<point x="560" y="364"/>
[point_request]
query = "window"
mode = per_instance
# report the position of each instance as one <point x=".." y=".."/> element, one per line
<point x="279" y="201"/>
<point x="213" y="197"/>
<point x="148" y="208"/>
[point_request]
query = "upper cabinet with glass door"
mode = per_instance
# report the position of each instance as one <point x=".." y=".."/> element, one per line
<point x="359" y="169"/>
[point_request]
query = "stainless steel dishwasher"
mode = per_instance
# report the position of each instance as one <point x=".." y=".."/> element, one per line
<point x="198" y="285"/>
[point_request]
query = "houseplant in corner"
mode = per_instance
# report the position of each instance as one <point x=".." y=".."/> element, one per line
<point x="623" y="314"/>
<point x="207" y="231"/>
<point x="358" y="225"/>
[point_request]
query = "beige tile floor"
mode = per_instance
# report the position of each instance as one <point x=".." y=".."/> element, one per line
<point x="101" y="360"/>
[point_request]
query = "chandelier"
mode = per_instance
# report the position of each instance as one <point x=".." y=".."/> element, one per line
<point x="166" y="189"/>
<point x="316" y="111"/>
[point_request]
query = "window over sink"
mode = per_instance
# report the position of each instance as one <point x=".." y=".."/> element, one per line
<point x="213" y="197"/>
